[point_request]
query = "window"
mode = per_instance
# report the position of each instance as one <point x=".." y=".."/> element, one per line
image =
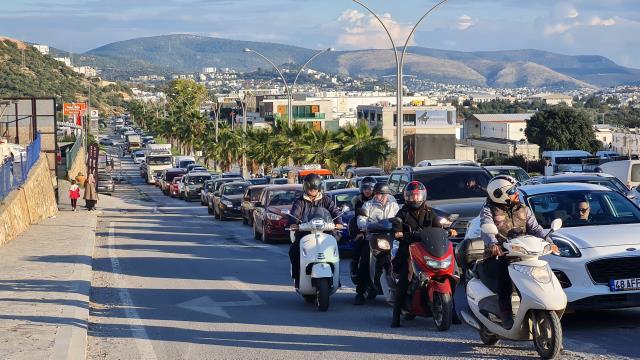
<point x="394" y="183"/>
<point x="404" y="180"/>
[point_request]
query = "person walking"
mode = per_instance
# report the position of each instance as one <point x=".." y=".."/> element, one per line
<point x="74" y="194"/>
<point x="90" y="193"/>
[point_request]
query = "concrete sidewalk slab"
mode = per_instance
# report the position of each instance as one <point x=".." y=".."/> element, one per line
<point x="45" y="284"/>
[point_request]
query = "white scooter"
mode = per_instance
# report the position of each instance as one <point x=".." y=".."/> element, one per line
<point x="319" y="259"/>
<point x="539" y="306"/>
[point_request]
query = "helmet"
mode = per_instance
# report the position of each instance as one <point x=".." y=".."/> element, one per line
<point x="312" y="182"/>
<point x="502" y="189"/>
<point x="415" y="194"/>
<point x="367" y="182"/>
<point x="381" y="188"/>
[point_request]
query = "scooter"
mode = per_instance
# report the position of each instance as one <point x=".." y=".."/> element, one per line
<point x="319" y="275"/>
<point x="380" y="242"/>
<point x="540" y="300"/>
<point x="432" y="277"/>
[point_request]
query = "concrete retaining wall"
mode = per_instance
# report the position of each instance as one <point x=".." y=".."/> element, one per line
<point x="78" y="165"/>
<point x="29" y="204"/>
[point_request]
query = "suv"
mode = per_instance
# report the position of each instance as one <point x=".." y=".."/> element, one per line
<point x="362" y="171"/>
<point x="451" y="189"/>
<point x="193" y="184"/>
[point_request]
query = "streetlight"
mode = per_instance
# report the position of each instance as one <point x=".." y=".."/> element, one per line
<point x="399" y="67"/>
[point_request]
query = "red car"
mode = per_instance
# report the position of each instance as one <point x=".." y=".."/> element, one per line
<point x="268" y="220"/>
<point x="174" y="188"/>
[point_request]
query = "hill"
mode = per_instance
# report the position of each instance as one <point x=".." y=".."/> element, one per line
<point x="534" y="68"/>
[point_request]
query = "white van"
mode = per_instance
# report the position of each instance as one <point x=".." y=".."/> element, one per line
<point x="628" y="171"/>
<point x="566" y="160"/>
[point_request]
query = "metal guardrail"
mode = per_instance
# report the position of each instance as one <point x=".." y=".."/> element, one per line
<point x="73" y="153"/>
<point x="14" y="171"/>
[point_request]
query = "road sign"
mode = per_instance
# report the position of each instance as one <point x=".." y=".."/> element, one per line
<point x="94" y="114"/>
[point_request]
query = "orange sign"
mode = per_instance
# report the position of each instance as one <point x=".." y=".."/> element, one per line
<point x="315" y="109"/>
<point x="74" y="108"/>
<point x="282" y="109"/>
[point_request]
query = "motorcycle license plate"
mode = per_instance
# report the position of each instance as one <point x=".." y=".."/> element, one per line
<point x="624" y="284"/>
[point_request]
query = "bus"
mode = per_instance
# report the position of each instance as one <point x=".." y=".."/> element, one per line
<point x="566" y="160"/>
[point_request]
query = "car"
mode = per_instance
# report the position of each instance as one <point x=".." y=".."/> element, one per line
<point x="193" y="182"/>
<point x="269" y="220"/>
<point x="174" y="187"/>
<point x="206" y="188"/>
<point x="198" y="169"/>
<point x="452" y="190"/>
<point x="599" y="263"/>
<point x="603" y="179"/>
<point x="228" y="203"/>
<point x="334" y="184"/>
<point x="156" y="179"/>
<point x="215" y="187"/>
<point x="194" y="165"/>
<point x="355" y="181"/>
<point x="446" y="162"/>
<point x="341" y="198"/>
<point x="181" y="188"/>
<point x="105" y="184"/>
<point x="362" y="171"/>
<point x="167" y="177"/>
<point x="249" y="199"/>
<point x="106" y="142"/>
<point x="230" y="175"/>
<point x="279" y="181"/>
<point x="258" y="181"/>
<point x="516" y="172"/>
<point x="138" y="156"/>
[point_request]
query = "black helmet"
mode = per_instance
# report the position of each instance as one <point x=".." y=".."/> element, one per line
<point x="367" y="182"/>
<point x="381" y="188"/>
<point x="415" y="194"/>
<point x="312" y="182"/>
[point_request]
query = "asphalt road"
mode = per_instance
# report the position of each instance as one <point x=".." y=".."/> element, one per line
<point x="170" y="282"/>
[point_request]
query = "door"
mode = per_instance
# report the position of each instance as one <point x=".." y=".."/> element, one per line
<point x="258" y="211"/>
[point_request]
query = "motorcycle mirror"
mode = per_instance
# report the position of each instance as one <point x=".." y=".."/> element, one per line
<point x="556" y="224"/>
<point x="345" y="208"/>
<point x="489" y="229"/>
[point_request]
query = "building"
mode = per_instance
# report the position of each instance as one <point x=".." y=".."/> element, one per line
<point x="44" y="49"/>
<point x="65" y="60"/>
<point x="500" y="126"/>
<point x="626" y="142"/>
<point x="317" y="112"/>
<point x="604" y="134"/>
<point x="87" y="71"/>
<point x="494" y="148"/>
<point x="552" y="99"/>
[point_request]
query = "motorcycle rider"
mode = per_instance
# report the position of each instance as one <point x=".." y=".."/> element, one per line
<point x="512" y="218"/>
<point x="382" y="206"/>
<point x="361" y="247"/>
<point x="302" y="206"/>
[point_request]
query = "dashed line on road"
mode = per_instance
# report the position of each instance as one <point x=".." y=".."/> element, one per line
<point x="145" y="348"/>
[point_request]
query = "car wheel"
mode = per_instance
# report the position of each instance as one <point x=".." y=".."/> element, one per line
<point x="256" y="234"/>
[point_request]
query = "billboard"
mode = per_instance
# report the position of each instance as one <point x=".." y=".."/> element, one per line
<point x="431" y="119"/>
<point x="74" y="108"/>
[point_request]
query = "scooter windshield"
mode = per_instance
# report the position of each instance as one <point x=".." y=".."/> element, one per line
<point x="435" y="241"/>
<point x="318" y="213"/>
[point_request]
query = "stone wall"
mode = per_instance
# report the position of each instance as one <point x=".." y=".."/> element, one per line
<point x="78" y="165"/>
<point x="29" y="204"/>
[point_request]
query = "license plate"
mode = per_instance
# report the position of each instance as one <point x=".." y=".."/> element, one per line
<point x="624" y="284"/>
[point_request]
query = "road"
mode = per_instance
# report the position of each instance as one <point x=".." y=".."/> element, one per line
<point x="170" y="282"/>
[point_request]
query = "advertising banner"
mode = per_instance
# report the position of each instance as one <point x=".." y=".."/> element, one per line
<point x="432" y="119"/>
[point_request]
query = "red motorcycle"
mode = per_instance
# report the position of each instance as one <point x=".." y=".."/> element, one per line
<point x="433" y="278"/>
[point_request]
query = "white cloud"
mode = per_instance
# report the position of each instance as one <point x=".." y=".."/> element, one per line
<point x="552" y="29"/>
<point x="360" y="30"/>
<point x="465" y="22"/>
<point x="597" y="21"/>
<point x="565" y="10"/>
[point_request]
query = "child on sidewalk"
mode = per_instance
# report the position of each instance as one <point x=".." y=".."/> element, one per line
<point x="74" y="194"/>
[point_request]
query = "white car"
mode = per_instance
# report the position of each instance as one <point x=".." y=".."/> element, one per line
<point x="599" y="261"/>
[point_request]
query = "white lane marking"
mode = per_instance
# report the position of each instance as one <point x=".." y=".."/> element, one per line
<point x="205" y="304"/>
<point x="145" y="348"/>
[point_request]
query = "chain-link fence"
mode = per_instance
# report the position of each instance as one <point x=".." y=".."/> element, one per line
<point x="15" y="169"/>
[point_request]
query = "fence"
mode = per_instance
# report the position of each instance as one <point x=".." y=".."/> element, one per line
<point x="15" y="170"/>
<point x="71" y="154"/>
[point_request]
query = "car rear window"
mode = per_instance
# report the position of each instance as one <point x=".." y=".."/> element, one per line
<point x="454" y="185"/>
<point x="283" y="197"/>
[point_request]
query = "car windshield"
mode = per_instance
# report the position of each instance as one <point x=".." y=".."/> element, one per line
<point x="259" y="181"/>
<point x="344" y="199"/>
<point x="200" y="179"/>
<point x="234" y="189"/>
<point x="279" y="181"/>
<point x="334" y="185"/>
<point x="603" y="208"/>
<point x="254" y="194"/>
<point x="139" y="154"/>
<point x="518" y="174"/>
<point x="185" y="163"/>
<point x="283" y="197"/>
<point x="159" y="160"/>
<point x="177" y="179"/>
<point x="454" y="185"/>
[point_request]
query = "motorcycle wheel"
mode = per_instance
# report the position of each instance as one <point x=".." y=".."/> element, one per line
<point x="309" y="298"/>
<point x="487" y="337"/>
<point x="442" y="309"/>
<point x="322" y="294"/>
<point x="547" y="334"/>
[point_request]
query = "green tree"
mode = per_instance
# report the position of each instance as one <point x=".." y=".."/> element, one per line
<point x="562" y="128"/>
<point x="362" y="145"/>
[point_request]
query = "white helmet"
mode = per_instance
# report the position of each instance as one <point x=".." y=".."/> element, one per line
<point x="502" y="188"/>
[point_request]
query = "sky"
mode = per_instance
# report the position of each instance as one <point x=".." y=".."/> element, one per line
<point x="574" y="27"/>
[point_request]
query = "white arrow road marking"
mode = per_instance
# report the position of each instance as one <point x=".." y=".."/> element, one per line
<point x="205" y="304"/>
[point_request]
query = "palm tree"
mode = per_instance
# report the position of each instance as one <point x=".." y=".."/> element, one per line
<point x="362" y="145"/>
<point x="318" y="147"/>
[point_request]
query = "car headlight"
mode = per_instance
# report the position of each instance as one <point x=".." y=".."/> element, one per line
<point x="438" y="264"/>
<point x="540" y="273"/>
<point x="566" y="247"/>
<point x="227" y="203"/>
<point x="383" y="244"/>
<point x="273" y="217"/>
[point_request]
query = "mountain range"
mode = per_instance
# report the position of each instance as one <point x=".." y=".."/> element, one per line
<point x="514" y="68"/>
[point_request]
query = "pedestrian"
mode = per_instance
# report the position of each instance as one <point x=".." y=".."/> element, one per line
<point x="74" y="194"/>
<point x="90" y="193"/>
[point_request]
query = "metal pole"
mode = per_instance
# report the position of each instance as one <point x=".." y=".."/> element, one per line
<point x="286" y="85"/>
<point x="245" y="171"/>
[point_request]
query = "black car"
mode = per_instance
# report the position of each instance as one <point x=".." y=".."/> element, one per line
<point x="250" y="198"/>
<point x="451" y="189"/>
<point x="258" y="181"/>
<point x="211" y="195"/>
<point x="193" y="184"/>
<point x="354" y="182"/>
<point x="228" y="200"/>
<point x="362" y="172"/>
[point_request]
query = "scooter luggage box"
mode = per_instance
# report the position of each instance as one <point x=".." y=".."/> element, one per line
<point x="469" y="251"/>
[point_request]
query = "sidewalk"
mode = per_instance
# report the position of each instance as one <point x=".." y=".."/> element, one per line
<point x="45" y="283"/>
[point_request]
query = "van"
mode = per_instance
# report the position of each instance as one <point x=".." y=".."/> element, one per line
<point x="566" y="160"/>
<point x="627" y="171"/>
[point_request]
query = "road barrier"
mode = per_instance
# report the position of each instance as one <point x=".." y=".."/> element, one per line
<point x="14" y="171"/>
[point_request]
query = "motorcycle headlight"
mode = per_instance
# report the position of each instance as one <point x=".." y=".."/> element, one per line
<point x="438" y="264"/>
<point x="540" y="273"/>
<point x="227" y="203"/>
<point x="383" y="244"/>
<point x="566" y="247"/>
<point x="273" y="217"/>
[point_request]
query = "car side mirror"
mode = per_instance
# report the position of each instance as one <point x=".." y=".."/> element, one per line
<point x="489" y="229"/>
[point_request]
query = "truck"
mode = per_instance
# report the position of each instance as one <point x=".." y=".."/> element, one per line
<point x="134" y="142"/>
<point x="183" y="161"/>
<point x="158" y="158"/>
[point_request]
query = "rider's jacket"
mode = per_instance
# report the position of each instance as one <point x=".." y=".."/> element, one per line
<point x="377" y="211"/>
<point x="510" y="221"/>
